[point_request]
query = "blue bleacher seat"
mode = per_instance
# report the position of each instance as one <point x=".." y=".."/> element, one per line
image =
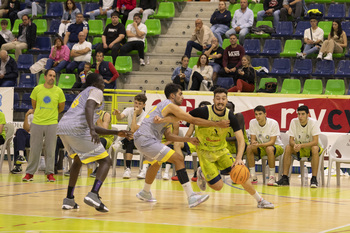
<point x="321" y="7"/>
<point x="302" y="68"/>
<point x="284" y="29"/>
<point x="225" y="82"/>
<point x="252" y="47"/>
<point x="55" y="10"/>
<point x="272" y="47"/>
<point x="281" y="66"/>
<point x="43" y="44"/>
<point x="22" y="5"/>
<point x="345" y="25"/>
<point x="324" y="68"/>
<point x="301" y="26"/>
<point x="69" y="99"/>
<point x="42" y="56"/>
<point x="27" y="80"/>
<point x="343" y="69"/>
<point x="336" y="11"/>
<point x="347" y="54"/>
<point x="90" y="6"/>
<point x="25" y="61"/>
<point x="78" y="5"/>
<point x="26" y="102"/>
<point x="54" y="26"/>
<point x="16" y="101"/>
<point x="263" y="62"/>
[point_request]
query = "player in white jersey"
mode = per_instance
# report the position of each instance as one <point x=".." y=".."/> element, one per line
<point x="264" y="140"/>
<point x="303" y="142"/>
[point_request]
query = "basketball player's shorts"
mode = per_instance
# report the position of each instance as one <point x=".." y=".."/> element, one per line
<point x="83" y="147"/>
<point x="262" y="152"/>
<point x="214" y="162"/>
<point x="153" y="150"/>
<point x="306" y="152"/>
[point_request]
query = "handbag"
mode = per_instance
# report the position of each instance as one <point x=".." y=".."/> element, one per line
<point x="270" y="87"/>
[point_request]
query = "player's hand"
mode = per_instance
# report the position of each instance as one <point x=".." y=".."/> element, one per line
<point x="126" y="134"/>
<point x="137" y="110"/>
<point x="223" y="123"/>
<point x="94" y="137"/>
<point x="194" y="141"/>
<point x="238" y="162"/>
<point x="297" y="147"/>
<point x="116" y="112"/>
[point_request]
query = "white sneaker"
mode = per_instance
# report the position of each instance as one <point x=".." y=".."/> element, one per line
<point x="299" y="55"/>
<point x="142" y="62"/>
<point x="329" y="57"/>
<point x="127" y="173"/>
<point x="196" y="199"/>
<point x="265" y="204"/>
<point x="166" y="176"/>
<point x="142" y="174"/>
<point x="201" y="182"/>
<point x="145" y="196"/>
<point x="319" y="56"/>
<point x="271" y="181"/>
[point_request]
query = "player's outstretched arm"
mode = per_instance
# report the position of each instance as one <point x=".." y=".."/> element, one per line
<point x="175" y="138"/>
<point x="240" y="147"/>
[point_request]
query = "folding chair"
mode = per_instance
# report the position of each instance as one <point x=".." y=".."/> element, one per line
<point x="10" y="130"/>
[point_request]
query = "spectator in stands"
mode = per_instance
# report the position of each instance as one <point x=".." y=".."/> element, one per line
<point x="124" y="7"/>
<point x="59" y="56"/>
<point x="68" y="17"/>
<point x="336" y="42"/>
<point x="146" y="8"/>
<point x="245" y="78"/>
<point x="80" y="83"/>
<point x="33" y="7"/>
<point x="242" y="21"/>
<point x="232" y="58"/>
<point x="8" y="70"/>
<point x="182" y="74"/>
<point x="6" y="36"/>
<point x="113" y="37"/>
<point x="71" y="36"/>
<point x="107" y="70"/>
<point x="26" y="37"/>
<point x="313" y="38"/>
<point x="2" y="129"/>
<point x="81" y="53"/>
<point x="293" y="8"/>
<point x="214" y="53"/>
<point x="220" y="21"/>
<point x="201" y="38"/>
<point x="3" y="7"/>
<point x="202" y="75"/>
<point x="106" y="8"/>
<point x="136" y="33"/>
<point x="21" y="141"/>
<point x="13" y="8"/>
<point x="271" y="8"/>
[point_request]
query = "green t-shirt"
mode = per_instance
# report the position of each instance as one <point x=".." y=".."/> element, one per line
<point x="47" y="100"/>
<point x="3" y="122"/>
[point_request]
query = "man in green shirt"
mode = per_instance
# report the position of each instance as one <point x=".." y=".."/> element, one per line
<point x="2" y="130"/>
<point x="48" y="101"/>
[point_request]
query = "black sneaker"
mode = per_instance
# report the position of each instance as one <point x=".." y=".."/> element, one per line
<point x="16" y="170"/>
<point x="21" y="160"/>
<point x="313" y="183"/>
<point x="284" y="181"/>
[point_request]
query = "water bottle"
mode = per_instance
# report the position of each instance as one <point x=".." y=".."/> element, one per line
<point x="83" y="78"/>
<point x="147" y="60"/>
<point x="159" y="174"/>
<point x="305" y="176"/>
<point x="65" y="164"/>
<point x="122" y="10"/>
<point x="267" y="173"/>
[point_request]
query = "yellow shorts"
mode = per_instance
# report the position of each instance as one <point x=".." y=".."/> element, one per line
<point x="262" y="151"/>
<point x="306" y="152"/>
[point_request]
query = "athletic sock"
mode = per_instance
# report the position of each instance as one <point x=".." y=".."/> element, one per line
<point x="272" y="171"/>
<point x="167" y="167"/>
<point x="70" y="192"/>
<point x="97" y="186"/>
<point x="128" y="163"/>
<point x="145" y="166"/>
<point x="185" y="181"/>
<point x="252" y="171"/>
<point x="147" y="187"/>
<point x="21" y="152"/>
<point x="257" y="196"/>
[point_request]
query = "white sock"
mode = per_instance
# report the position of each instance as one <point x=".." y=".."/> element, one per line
<point x="21" y="153"/>
<point x="167" y="167"/>
<point x="147" y="187"/>
<point x="145" y="166"/>
<point x="252" y="171"/>
<point x="188" y="188"/>
<point x="257" y="197"/>
<point x="272" y="172"/>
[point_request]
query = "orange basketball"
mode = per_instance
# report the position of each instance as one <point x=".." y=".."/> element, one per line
<point x="239" y="174"/>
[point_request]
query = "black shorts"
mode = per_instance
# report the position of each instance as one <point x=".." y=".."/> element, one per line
<point x="128" y="146"/>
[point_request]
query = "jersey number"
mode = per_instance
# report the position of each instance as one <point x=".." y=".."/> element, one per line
<point x="147" y="116"/>
<point x="75" y="102"/>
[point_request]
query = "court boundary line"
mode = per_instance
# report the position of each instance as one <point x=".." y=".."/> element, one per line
<point x="335" y="228"/>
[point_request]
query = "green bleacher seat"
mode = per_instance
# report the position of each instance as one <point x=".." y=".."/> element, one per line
<point x="66" y="81"/>
<point x="266" y="80"/>
<point x="326" y="26"/>
<point x="41" y="79"/>
<point x="335" y="87"/>
<point x="192" y="62"/>
<point x="41" y="26"/>
<point x="123" y="64"/>
<point x="128" y="22"/>
<point x="233" y="7"/>
<point x="95" y="27"/>
<point x="340" y="55"/>
<point x="96" y="40"/>
<point x="108" y="58"/>
<point x="13" y="56"/>
<point x="153" y="27"/>
<point x="15" y="26"/>
<point x="291" y="47"/>
<point x="264" y="35"/>
<point x="291" y="86"/>
<point x="226" y="43"/>
<point x="165" y="10"/>
<point x="258" y="7"/>
<point x="313" y="86"/>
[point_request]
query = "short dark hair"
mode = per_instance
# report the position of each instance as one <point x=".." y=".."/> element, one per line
<point x="25" y="15"/>
<point x="115" y="13"/>
<point x="137" y="15"/>
<point x="303" y="108"/>
<point x="171" y="88"/>
<point x="4" y="22"/>
<point x="220" y="90"/>
<point x="203" y="103"/>
<point x="260" y="108"/>
<point x="141" y="98"/>
<point x="60" y="39"/>
<point x="87" y="63"/>
<point x="233" y="35"/>
<point x="47" y="71"/>
<point x="183" y="57"/>
<point x="233" y="106"/>
<point x="100" y="52"/>
<point x="92" y="78"/>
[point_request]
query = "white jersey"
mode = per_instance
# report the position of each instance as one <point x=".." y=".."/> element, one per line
<point x="129" y="112"/>
<point x="264" y="133"/>
<point x="304" y="134"/>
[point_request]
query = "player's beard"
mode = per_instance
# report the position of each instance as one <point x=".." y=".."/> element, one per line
<point x="216" y="107"/>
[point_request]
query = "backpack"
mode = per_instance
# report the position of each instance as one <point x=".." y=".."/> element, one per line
<point x="270" y="87"/>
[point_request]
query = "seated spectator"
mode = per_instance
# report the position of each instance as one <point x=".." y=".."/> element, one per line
<point x="182" y="74"/>
<point x="113" y="37"/>
<point x="242" y="21"/>
<point x="214" y="53"/>
<point x="59" y="56"/>
<point x="201" y="38"/>
<point x="107" y="70"/>
<point x="2" y="129"/>
<point x="245" y="78"/>
<point x="26" y="37"/>
<point x="136" y="33"/>
<point x="232" y="58"/>
<point x="81" y="53"/>
<point x="124" y="7"/>
<point x="202" y="75"/>
<point x="293" y="8"/>
<point x="146" y="8"/>
<point x="13" y="8"/>
<point x="271" y="8"/>
<point x="6" y="36"/>
<point x="3" y="7"/>
<point x="8" y="70"/>
<point x="313" y="38"/>
<point x="33" y="7"/>
<point x="220" y="21"/>
<point x="336" y="42"/>
<point x="106" y="8"/>
<point x="68" y="17"/>
<point x="71" y="36"/>
<point x="80" y="83"/>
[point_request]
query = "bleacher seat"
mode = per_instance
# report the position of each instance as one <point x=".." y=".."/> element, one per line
<point x="41" y="26"/>
<point x="15" y="26"/>
<point x="302" y="68"/>
<point x="90" y="6"/>
<point x="165" y="10"/>
<point x="8" y="23"/>
<point x="324" y="69"/>
<point x="263" y="62"/>
<point x="66" y="81"/>
<point x="336" y="11"/>
<point x="258" y="7"/>
<point x="123" y="64"/>
<point x="264" y="35"/>
<point x="335" y="87"/>
<point x="272" y="47"/>
<point x="95" y="27"/>
<point x="313" y="86"/>
<point x="265" y="80"/>
<point x="291" y="47"/>
<point x="26" y="102"/>
<point x="153" y="27"/>
<point x="343" y="69"/>
<point x="78" y="5"/>
<point x="326" y="26"/>
<point x="69" y="99"/>
<point x="345" y="25"/>
<point x="42" y="79"/>
<point x="16" y="101"/>
<point x="233" y="7"/>
<point x="42" y="56"/>
<point x="301" y="26"/>
<point x="226" y="43"/>
<point x="129" y="21"/>
<point x="192" y="62"/>
<point x="291" y="86"/>
<point x="280" y="67"/>
<point x="319" y="6"/>
<point x="225" y="82"/>
<point x="108" y="58"/>
<point x="43" y="44"/>
<point x="284" y="29"/>
<point x="27" y="80"/>
<point x="55" y="10"/>
<point x="252" y="47"/>
<point x="25" y="61"/>
<point x="54" y="26"/>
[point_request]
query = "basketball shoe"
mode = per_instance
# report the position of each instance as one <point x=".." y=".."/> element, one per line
<point x="50" y="178"/>
<point x="254" y="180"/>
<point x="69" y="204"/>
<point x="313" y="183"/>
<point x="196" y="199"/>
<point x="16" y="170"/>
<point x="142" y="174"/>
<point x="127" y="173"/>
<point x="284" y="181"/>
<point x="271" y="181"/>
<point x="21" y="160"/>
<point x="265" y="204"/>
<point x="93" y="199"/>
<point x="28" y="177"/>
<point x="145" y="196"/>
<point x="201" y="182"/>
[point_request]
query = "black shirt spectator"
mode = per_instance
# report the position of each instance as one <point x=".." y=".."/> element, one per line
<point x="8" y="70"/>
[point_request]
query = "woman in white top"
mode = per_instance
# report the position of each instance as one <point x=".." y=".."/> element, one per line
<point x="202" y="75"/>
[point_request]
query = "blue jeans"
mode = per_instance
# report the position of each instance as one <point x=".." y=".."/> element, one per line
<point x="216" y="67"/>
<point x="34" y="11"/>
<point x="97" y="12"/>
<point x="8" y="83"/>
<point x="191" y="44"/>
<point x="308" y="49"/>
<point x="74" y="64"/>
<point x="242" y="33"/>
<point x="58" y="68"/>
<point x="218" y="30"/>
<point x="70" y="45"/>
<point x="276" y="17"/>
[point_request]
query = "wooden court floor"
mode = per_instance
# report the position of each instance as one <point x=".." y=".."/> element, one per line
<point x="36" y="207"/>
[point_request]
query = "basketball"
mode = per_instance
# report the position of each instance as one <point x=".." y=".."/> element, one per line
<point x="239" y="174"/>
